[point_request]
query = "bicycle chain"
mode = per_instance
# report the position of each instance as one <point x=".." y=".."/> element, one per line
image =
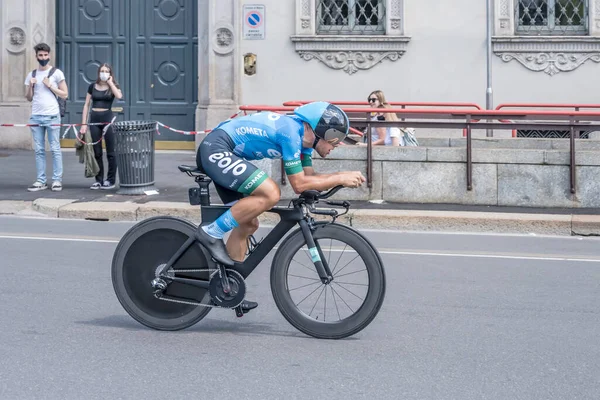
<point x="191" y="303"/>
<point x="191" y="270"/>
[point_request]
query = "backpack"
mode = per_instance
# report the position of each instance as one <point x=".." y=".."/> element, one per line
<point x="62" y="103"/>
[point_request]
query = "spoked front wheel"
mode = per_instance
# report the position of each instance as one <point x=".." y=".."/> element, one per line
<point x="140" y="255"/>
<point x="338" y="309"/>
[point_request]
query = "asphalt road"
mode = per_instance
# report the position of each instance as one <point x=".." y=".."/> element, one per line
<point x="465" y="317"/>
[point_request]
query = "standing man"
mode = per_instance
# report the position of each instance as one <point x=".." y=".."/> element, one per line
<point x="43" y="87"/>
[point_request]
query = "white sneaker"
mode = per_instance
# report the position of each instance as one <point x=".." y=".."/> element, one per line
<point x="96" y="186"/>
<point x="37" y="186"/>
<point x="107" y="185"/>
<point x="56" y="186"/>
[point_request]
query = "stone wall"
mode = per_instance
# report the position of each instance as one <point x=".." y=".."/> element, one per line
<point x="24" y="24"/>
<point x="506" y="172"/>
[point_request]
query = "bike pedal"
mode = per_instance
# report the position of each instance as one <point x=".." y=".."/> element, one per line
<point x="239" y="312"/>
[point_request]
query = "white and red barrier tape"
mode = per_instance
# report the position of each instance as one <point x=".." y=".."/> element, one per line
<point x="158" y="124"/>
<point x="108" y="124"/>
<point x="78" y="134"/>
<point x="27" y="125"/>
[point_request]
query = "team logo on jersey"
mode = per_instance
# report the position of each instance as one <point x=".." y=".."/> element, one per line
<point x="292" y="164"/>
<point x="248" y="130"/>
<point x="224" y="161"/>
<point x="254" y="180"/>
<point x="274" y="153"/>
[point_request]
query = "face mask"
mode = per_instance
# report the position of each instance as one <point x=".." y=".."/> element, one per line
<point x="43" y="63"/>
<point x="104" y="76"/>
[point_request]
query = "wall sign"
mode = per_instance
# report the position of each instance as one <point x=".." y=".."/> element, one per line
<point x="254" y="21"/>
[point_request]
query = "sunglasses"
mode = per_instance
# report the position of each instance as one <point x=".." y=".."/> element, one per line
<point x="372" y="99"/>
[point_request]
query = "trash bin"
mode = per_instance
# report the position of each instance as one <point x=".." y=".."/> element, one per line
<point x="135" y="156"/>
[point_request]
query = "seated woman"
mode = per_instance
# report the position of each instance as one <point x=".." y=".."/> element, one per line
<point x="391" y="135"/>
<point x="388" y="136"/>
<point x="380" y="136"/>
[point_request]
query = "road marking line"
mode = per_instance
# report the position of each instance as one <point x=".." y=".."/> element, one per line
<point x="415" y="253"/>
<point x="388" y="252"/>
<point x="59" y="239"/>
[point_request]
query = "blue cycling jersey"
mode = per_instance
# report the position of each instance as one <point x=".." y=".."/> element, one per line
<point x="269" y="135"/>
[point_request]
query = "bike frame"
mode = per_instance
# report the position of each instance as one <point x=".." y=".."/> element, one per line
<point x="290" y="217"/>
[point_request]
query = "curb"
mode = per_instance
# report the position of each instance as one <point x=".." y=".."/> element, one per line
<point x="403" y="220"/>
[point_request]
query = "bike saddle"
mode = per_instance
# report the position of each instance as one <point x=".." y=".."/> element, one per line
<point x="191" y="170"/>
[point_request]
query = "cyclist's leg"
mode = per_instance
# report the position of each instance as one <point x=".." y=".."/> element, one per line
<point x="246" y="212"/>
<point x="237" y="244"/>
<point x="216" y="158"/>
<point x="242" y="216"/>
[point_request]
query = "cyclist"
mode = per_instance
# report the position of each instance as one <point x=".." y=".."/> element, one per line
<point x="223" y="156"/>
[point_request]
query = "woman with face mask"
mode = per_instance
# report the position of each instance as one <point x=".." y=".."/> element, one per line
<point x="101" y="95"/>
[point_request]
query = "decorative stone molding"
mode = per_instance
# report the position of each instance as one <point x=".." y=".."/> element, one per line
<point x="594" y="10"/>
<point x="38" y="34"/>
<point x="349" y="53"/>
<point x="549" y="54"/>
<point x="305" y="19"/>
<point x="219" y="61"/>
<point x="551" y="63"/>
<point x="223" y="40"/>
<point x="394" y="17"/>
<point x="16" y="40"/>
<point x="504" y="17"/>
<point x="349" y="61"/>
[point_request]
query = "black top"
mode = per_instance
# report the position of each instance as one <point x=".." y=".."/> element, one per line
<point x="100" y="98"/>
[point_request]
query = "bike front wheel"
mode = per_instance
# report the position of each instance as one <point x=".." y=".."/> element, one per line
<point x="341" y="308"/>
<point x="140" y="254"/>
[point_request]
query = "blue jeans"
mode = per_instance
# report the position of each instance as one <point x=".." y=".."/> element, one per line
<point x="39" y="145"/>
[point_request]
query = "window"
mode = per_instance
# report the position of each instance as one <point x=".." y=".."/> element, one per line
<point x="551" y="17"/>
<point x="350" y="17"/>
<point x="350" y="35"/>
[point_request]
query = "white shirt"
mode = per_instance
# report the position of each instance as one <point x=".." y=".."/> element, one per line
<point x="390" y="132"/>
<point x="44" y="101"/>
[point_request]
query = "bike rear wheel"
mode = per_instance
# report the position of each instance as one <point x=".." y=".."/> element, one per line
<point x="328" y="311"/>
<point x="140" y="254"/>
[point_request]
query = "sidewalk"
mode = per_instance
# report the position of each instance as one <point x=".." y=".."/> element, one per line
<point x="76" y="200"/>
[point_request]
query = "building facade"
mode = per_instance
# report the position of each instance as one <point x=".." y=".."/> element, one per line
<point x="191" y="63"/>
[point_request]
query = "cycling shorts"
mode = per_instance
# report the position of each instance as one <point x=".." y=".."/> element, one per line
<point x="233" y="176"/>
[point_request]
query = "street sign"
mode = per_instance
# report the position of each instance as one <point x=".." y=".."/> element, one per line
<point x="254" y="21"/>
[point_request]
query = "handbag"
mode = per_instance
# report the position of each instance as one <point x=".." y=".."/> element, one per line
<point x="409" y="137"/>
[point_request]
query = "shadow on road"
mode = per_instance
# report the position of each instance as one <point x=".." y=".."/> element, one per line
<point x="241" y="328"/>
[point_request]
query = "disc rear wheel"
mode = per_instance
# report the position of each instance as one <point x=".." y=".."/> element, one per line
<point x="141" y="253"/>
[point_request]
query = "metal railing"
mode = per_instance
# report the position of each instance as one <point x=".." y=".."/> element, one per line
<point x="468" y="120"/>
<point x="547" y="106"/>
<point x="401" y="104"/>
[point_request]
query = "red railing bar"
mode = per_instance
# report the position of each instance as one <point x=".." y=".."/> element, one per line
<point x="545" y="105"/>
<point x="296" y="103"/>
<point x="483" y="114"/>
